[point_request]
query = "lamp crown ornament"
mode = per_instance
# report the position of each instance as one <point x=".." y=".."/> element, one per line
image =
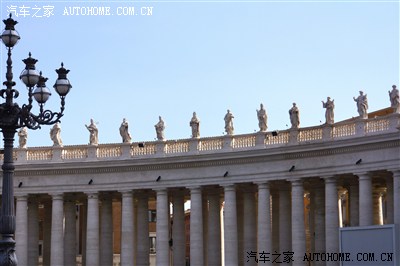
<point x="30" y="62"/>
<point x="10" y="23"/>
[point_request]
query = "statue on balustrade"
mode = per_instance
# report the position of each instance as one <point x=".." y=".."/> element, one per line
<point x="55" y="135"/>
<point x="93" y="133"/>
<point x="329" y="105"/>
<point x="394" y="99"/>
<point x="160" y="127"/>
<point x="195" y="125"/>
<point x="229" y="123"/>
<point x="294" y="114"/>
<point x="362" y="105"/>
<point x="262" y="118"/>
<point x="124" y="132"/>
<point x="23" y="137"/>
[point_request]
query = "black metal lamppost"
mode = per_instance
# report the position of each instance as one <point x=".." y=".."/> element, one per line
<point x="12" y="117"/>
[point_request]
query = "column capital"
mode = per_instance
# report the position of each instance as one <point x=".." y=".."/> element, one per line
<point x="21" y="197"/>
<point x="329" y="179"/>
<point x="92" y="195"/>
<point x="395" y="172"/>
<point x="263" y="185"/>
<point x="195" y="189"/>
<point x="363" y="175"/>
<point x="161" y="191"/>
<point x="296" y="182"/>
<point x="57" y="196"/>
<point x="126" y="193"/>
<point x="229" y="187"/>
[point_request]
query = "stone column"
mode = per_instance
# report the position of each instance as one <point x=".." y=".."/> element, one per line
<point x="214" y="228"/>
<point x="92" y="231"/>
<point x="70" y="232"/>
<point x="127" y="229"/>
<point x="389" y="200"/>
<point x="21" y="232"/>
<point x="106" y="231"/>
<point x="162" y="228"/>
<point x="33" y="231"/>
<point x="47" y="233"/>
<point x="331" y="218"/>
<point x="396" y="197"/>
<point x="178" y="228"/>
<point x="142" y="243"/>
<point x="285" y="236"/>
<point x="57" y="232"/>
<point x="365" y="201"/>
<point x="354" y="204"/>
<point x="264" y="236"/>
<point x="230" y="226"/>
<point x="319" y="219"/>
<point x="298" y="233"/>
<point x="196" y="227"/>
<point x="249" y="226"/>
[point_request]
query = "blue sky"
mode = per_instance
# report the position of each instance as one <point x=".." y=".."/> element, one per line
<point x="206" y="56"/>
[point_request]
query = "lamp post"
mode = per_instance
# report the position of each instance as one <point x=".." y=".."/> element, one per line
<point x="12" y="117"/>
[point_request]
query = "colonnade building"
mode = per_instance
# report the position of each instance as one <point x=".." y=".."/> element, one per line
<point x="252" y="197"/>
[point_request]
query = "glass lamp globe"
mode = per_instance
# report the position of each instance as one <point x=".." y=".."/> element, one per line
<point x="10" y="36"/>
<point x="41" y="93"/>
<point x="62" y="85"/>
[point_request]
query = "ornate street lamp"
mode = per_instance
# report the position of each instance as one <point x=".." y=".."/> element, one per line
<point x="12" y="117"/>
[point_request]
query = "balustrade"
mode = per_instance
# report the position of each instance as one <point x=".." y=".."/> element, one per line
<point x="278" y="138"/>
<point x="109" y="151"/>
<point x="39" y="154"/>
<point x="211" y="144"/>
<point x="138" y="149"/>
<point x="350" y="129"/>
<point x="310" y="134"/>
<point x="177" y="146"/>
<point x="70" y="153"/>
<point x="344" y="130"/>
<point x="244" y="141"/>
<point x="376" y="125"/>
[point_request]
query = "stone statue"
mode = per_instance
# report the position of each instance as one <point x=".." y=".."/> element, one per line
<point x="23" y="137"/>
<point x="123" y="130"/>
<point x="94" y="133"/>
<point x="394" y="99"/>
<point x="329" y="114"/>
<point x="229" y="123"/>
<point x="195" y="125"/>
<point x="294" y="116"/>
<point x="55" y="135"/>
<point x="262" y="118"/>
<point x="160" y="126"/>
<point x="362" y="105"/>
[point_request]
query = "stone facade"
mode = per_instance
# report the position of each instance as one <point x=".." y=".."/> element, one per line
<point x="279" y="192"/>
